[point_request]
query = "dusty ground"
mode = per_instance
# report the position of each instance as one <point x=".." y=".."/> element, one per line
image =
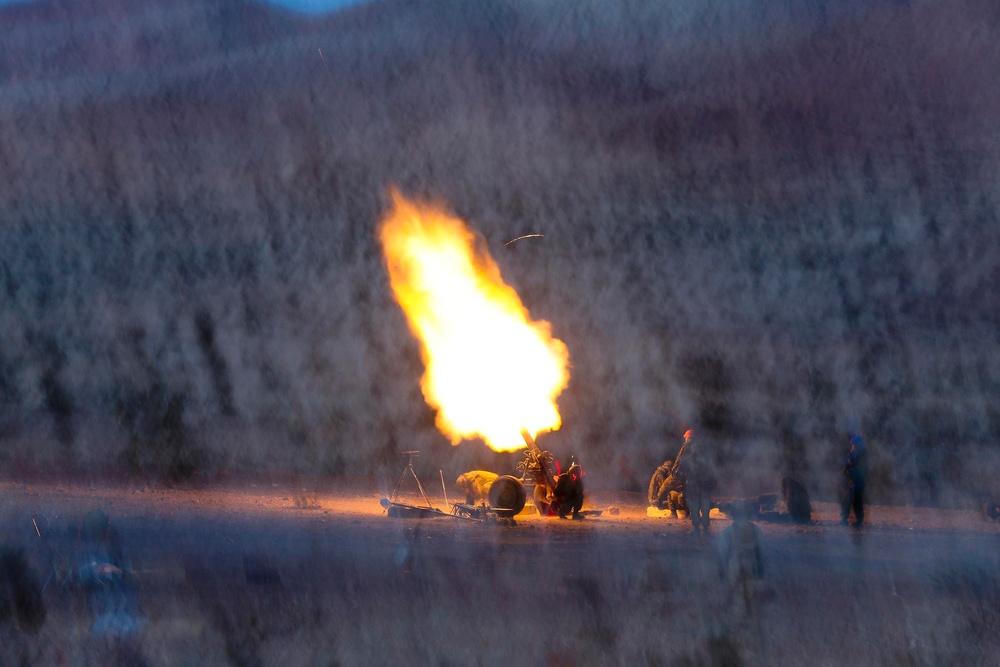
<point x="260" y="574"/>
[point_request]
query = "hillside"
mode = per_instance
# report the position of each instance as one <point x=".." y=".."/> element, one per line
<point x="776" y="224"/>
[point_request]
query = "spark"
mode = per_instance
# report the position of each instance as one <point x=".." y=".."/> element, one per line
<point x="324" y="61"/>
<point x="525" y="236"/>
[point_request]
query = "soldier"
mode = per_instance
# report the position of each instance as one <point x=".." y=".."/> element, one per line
<point x="796" y="498"/>
<point x="476" y="484"/>
<point x="699" y="482"/>
<point x="656" y="481"/>
<point x="543" y="499"/>
<point x="741" y="560"/>
<point x="855" y="479"/>
<point x="666" y="489"/>
<point x="569" y="491"/>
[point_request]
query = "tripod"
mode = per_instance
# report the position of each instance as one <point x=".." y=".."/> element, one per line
<point x="409" y="468"/>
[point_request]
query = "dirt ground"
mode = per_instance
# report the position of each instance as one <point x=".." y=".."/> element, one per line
<point x="269" y="573"/>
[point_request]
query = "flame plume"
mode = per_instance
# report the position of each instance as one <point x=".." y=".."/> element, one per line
<point x="490" y="371"/>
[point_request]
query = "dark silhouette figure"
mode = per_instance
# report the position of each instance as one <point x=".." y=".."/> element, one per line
<point x="991" y="509"/>
<point x="569" y="492"/>
<point x="855" y="482"/>
<point x="20" y="595"/>
<point x="741" y="559"/>
<point x="796" y="498"/>
<point x="699" y="482"/>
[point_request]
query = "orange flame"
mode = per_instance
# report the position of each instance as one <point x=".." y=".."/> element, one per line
<point x="489" y="370"/>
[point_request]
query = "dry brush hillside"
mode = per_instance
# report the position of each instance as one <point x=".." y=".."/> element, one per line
<point x="774" y="222"/>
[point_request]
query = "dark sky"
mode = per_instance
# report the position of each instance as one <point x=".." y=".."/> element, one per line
<point x="305" y="6"/>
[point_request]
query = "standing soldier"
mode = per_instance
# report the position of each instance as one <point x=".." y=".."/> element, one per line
<point x="699" y="482"/>
<point x="796" y="498"/>
<point x="741" y="560"/>
<point x="855" y="478"/>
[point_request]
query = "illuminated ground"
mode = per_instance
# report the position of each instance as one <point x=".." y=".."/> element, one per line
<point x="270" y="574"/>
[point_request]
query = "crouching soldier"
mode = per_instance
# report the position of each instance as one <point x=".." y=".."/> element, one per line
<point x="543" y="498"/>
<point x="666" y="489"/>
<point x="476" y="484"/>
<point x="569" y="491"/>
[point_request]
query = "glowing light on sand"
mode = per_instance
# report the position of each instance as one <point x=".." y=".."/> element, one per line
<point x="489" y="369"/>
